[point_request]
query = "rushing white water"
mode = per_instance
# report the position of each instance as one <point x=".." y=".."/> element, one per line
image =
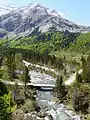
<point x="37" y="77"/>
<point x="56" y="110"/>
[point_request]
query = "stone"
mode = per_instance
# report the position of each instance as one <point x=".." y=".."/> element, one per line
<point x="18" y="115"/>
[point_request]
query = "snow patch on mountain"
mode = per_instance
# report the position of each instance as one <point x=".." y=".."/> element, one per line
<point x="52" y="12"/>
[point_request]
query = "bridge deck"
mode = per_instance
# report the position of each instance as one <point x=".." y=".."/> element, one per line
<point x="41" y="85"/>
<point x="29" y="84"/>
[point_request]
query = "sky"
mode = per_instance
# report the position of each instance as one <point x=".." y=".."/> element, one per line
<point x="77" y="11"/>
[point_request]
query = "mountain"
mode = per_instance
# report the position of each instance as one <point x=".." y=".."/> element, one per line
<point x="35" y="19"/>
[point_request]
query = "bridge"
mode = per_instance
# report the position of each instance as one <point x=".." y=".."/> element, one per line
<point x="41" y="85"/>
<point x="44" y="87"/>
<point x="70" y="80"/>
<point x="29" y="84"/>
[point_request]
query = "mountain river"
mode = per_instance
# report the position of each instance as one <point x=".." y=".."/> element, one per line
<point x="45" y="98"/>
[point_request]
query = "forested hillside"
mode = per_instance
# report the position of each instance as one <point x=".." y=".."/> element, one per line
<point x="53" y="41"/>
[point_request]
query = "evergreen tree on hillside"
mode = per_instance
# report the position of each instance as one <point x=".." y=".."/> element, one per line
<point x="83" y="60"/>
<point x="7" y="68"/>
<point x="18" y="93"/>
<point x="26" y="79"/>
<point x="18" y="61"/>
<point x="78" y="78"/>
<point x="86" y="70"/>
<point x="19" y="66"/>
<point x="60" y="87"/>
<point x="81" y="97"/>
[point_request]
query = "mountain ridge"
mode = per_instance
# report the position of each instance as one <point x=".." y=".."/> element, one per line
<point x="36" y="17"/>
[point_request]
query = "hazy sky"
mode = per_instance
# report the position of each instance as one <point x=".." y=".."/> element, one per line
<point x="75" y="10"/>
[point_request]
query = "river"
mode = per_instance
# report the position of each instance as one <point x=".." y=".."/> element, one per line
<point x="57" y="111"/>
<point x="45" y="98"/>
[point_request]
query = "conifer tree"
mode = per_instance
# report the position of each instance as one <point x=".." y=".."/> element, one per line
<point x="26" y="78"/>
<point x="60" y="87"/>
<point x="86" y="70"/>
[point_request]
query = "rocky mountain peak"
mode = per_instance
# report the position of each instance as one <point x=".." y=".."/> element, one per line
<point x="35" y="18"/>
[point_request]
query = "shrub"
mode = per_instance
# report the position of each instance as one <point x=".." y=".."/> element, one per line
<point x="29" y="106"/>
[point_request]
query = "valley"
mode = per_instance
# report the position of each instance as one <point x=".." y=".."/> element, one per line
<point x="44" y="65"/>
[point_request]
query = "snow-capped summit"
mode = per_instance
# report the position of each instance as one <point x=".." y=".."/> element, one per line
<point x="4" y="9"/>
<point x="35" y="18"/>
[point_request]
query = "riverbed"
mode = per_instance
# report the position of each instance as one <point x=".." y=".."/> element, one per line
<point x="44" y="98"/>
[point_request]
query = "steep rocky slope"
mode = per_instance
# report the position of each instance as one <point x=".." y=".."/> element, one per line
<point x="35" y="18"/>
